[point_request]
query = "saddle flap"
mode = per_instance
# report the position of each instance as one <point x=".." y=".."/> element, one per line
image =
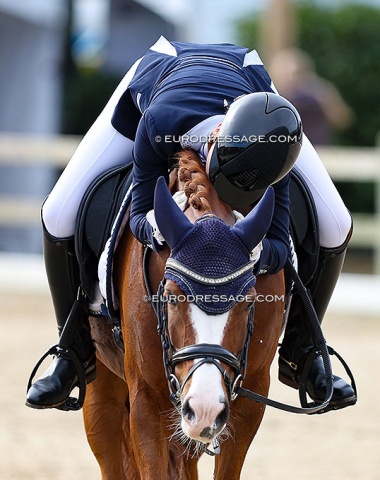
<point x="95" y="219"/>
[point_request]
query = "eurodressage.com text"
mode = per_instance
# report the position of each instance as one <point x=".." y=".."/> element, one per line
<point x="214" y="298"/>
<point x="189" y="139"/>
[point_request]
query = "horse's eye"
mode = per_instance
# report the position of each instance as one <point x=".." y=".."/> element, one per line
<point x="172" y="299"/>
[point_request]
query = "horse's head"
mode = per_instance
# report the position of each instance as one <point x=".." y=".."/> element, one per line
<point x="208" y="299"/>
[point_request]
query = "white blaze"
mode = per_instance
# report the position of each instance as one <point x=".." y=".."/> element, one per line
<point x="208" y="329"/>
<point x="206" y="391"/>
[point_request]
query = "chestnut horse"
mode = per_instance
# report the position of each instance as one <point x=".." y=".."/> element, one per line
<point x="133" y="428"/>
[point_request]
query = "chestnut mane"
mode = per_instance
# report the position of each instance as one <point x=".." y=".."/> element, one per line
<point x="194" y="181"/>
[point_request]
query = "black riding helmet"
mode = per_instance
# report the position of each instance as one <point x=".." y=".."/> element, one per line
<point x="258" y="143"/>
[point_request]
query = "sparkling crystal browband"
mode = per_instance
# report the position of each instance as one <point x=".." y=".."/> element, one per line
<point x="172" y="264"/>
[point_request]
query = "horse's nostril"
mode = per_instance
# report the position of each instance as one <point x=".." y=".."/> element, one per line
<point x="222" y="418"/>
<point x="188" y="411"/>
<point x="213" y="430"/>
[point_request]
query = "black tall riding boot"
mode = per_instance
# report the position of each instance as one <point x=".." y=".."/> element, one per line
<point x="53" y="388"/>
<point x="297" y="342"/>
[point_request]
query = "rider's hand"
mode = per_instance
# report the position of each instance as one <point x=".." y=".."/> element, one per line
<point x="181" y="200"/>
<point x="256" y="252"/>
<point x="156" y="233"/>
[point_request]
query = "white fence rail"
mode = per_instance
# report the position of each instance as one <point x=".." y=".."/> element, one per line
<point x="359" y="165"/>
<point x="344" y="164"/>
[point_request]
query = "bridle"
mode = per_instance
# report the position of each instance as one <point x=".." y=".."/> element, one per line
<point x="218" y="355"/>
<point x="204" y="352"/>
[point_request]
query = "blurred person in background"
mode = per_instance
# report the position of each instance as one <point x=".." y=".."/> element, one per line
<point x="322" y="108"/>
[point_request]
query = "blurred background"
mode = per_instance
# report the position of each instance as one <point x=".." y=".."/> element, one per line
<point x="60" y="61"/>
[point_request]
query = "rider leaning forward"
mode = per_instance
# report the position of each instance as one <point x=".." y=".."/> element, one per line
<point x="174" y="98"/>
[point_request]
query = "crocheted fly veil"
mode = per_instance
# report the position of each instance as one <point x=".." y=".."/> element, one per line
<point x="205" y="263"/>
<point x="210" y="260"/>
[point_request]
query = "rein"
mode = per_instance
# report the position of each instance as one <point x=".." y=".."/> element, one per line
<point x="209" y="353"/>
<point x="321" y="349"/>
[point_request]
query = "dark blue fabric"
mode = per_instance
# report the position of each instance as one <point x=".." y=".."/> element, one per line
<point x="276" y="247"/>
<point x="173" y="94"/>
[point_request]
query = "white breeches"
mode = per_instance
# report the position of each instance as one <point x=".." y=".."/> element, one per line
<point x="103" y="147"/>
<point x="334" y="220"/>
<point x="100" y="149"/>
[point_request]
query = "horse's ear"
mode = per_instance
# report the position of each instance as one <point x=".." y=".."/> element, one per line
<point x="254" y="226"/>
<point x="171" y="221"/>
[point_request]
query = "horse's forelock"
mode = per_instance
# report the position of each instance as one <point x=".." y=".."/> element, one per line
<point x="196" y="184"/>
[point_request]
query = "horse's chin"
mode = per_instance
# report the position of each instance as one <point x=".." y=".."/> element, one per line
<point x="206" y="436"/>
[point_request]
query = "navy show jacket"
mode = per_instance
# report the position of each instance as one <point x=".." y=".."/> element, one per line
<point x="175" y="87"/>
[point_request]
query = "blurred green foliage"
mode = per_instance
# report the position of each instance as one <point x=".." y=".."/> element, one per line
<point x="344" y="42"/>
<point x="86" y="93"/>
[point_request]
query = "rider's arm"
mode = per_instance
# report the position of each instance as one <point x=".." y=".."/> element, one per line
<point x="276" y="246"/>
<point x="149" y="163"/>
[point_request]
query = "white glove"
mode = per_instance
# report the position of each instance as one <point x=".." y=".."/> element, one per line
<point x="156" y="233"/>
<point x="181" y="200"/>
<point x="256" y="252"/>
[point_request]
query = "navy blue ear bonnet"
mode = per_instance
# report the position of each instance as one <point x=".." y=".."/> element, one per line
<point x="211" y="265"/>
<point x="210" y="260"/>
